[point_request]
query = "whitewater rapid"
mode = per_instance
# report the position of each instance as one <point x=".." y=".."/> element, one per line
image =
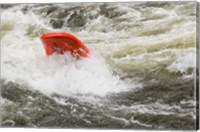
<point x="130" y="51"/>
<point x="141" y="72"/>
<point x="24" y="62"/>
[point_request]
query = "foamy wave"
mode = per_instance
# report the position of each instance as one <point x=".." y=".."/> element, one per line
<point x="62" y="74"/>
<point x="184" y="60"/>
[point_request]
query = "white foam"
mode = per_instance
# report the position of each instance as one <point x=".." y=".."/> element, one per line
<point x="185" y="59"/>
<point x="62" y="74"/>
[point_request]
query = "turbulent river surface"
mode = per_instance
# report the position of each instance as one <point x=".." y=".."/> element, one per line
<point x="140" y="74"/>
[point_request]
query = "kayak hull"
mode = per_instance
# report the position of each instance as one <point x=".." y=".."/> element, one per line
<point x="61" y="42"/>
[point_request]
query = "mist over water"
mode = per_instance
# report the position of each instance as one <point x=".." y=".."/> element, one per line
<point x="140" y="73"/>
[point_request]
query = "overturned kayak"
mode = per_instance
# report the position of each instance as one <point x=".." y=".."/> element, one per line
<point x="61" y="42"/>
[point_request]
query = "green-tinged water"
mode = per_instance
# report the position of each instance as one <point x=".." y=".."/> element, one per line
<point x="140" y="73"/>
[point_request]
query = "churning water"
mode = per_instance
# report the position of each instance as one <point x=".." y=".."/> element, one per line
<point x="140" y="73"/>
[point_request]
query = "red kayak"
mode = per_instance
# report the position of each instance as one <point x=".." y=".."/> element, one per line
<point x="61" y="42"/>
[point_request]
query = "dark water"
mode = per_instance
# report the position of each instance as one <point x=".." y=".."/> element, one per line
<point x="141" y="74"/>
